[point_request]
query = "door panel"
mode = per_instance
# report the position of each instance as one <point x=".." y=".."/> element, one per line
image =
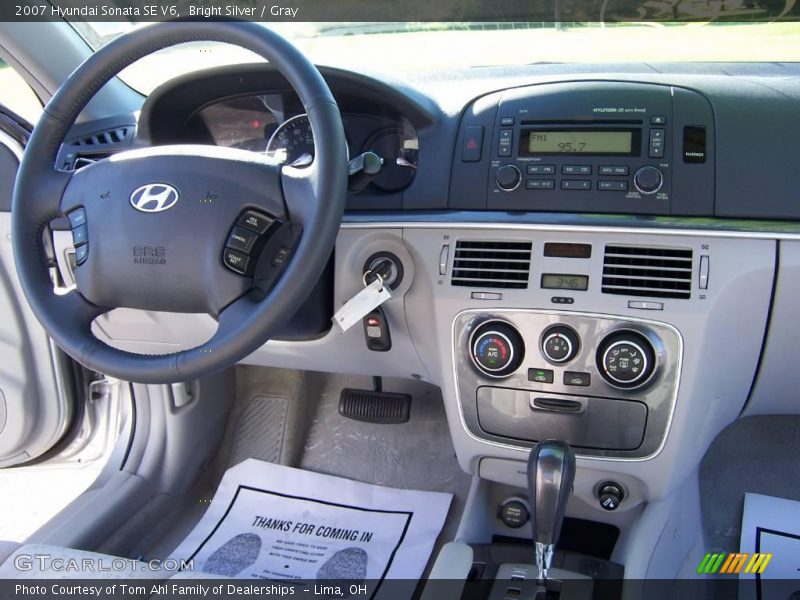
<point x="34" y="411"/>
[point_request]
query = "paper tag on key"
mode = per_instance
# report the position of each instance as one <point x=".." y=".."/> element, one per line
<point x="363" y="303"/>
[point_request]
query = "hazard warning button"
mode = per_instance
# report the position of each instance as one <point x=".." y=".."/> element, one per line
<point x="473" y="142"/>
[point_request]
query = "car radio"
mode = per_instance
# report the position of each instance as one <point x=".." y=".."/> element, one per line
<point x="589" y="146"/>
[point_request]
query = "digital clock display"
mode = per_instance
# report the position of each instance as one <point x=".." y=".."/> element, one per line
<point x="580" y="142"/>
<point x="560" y="281"/>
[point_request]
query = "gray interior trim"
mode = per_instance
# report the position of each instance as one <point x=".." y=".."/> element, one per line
<point x="545" y="227"/>
<point x="45" y="70"/>
<point x="11" y="144"/>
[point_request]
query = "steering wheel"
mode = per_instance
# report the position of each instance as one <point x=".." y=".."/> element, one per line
<point x="182" y="228"/>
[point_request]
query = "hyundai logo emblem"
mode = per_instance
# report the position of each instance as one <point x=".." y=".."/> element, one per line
<point x="154" y="197"/>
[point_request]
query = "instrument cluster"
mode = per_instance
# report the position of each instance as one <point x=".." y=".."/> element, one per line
<point x="275" y="124"/>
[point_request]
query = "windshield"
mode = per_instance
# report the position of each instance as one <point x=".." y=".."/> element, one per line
<point x="403" y="47"/>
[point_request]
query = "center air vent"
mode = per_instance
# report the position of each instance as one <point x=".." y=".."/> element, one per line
<point x="481" y="264"/>
<point x="654" y="272"/>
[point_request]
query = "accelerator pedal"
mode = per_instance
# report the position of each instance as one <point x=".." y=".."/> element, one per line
<point x="386" y="408"/>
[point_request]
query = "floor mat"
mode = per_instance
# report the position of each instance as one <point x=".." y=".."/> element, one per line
<point x="415" y="455"/>
<point x="260" y="433"/>
<point x="755" y="454"/>
<point x="269" y="521"/>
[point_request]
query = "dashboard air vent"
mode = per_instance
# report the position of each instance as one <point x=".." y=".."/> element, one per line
<point x="103" y="138"/>
<point x="491" y="264"/>
<point x="654" y="272"/>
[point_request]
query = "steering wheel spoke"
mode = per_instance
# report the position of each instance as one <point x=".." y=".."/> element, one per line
<point x="157" y="224"/>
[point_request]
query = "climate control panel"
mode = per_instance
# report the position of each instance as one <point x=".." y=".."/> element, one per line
<point x="604" y="384"/>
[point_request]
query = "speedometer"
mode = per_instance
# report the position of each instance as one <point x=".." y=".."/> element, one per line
<point x="292" y="142"/>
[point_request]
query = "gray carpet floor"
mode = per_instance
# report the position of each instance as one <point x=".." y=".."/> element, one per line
<point x="292" y="418"/>
<point x="756" y="454"/>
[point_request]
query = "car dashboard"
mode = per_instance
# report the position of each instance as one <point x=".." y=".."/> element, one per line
<point x="596" y="253"/>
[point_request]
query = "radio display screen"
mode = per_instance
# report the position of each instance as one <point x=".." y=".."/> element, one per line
<point x="602" y="142"/>
<point x="559" y="281"/>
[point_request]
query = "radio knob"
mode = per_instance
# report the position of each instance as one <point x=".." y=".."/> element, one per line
<point x="648" y="180"/>
<point x="508" y="178"/>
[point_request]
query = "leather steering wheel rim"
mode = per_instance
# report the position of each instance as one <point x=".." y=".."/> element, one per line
<point x="245" y="324"/>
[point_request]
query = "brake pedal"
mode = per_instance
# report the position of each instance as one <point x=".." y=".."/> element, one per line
<point x="387" y="408"/>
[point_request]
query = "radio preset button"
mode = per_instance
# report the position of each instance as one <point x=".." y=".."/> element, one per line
<point x="576" y="184"/>
<point x="612" y="185"/>
<point x="540" y="184"/>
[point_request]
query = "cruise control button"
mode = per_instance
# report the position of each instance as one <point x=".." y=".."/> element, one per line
<point x="242" y="239"/>
<point x="77" y="217"/>
<point x="80" y="235"/>
<point x="254" y="221"/>
<point x="575" y="378"/>
<point x="236" y="261"/>
<point x="540" y="375"/>
<point x="81" y="254"/>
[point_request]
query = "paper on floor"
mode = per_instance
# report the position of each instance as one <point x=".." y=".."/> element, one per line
<point x="770" y="526"/>
<point x="268" y="521"/>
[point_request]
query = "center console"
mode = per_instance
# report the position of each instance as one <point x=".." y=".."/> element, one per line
<point x="605" y="385"/>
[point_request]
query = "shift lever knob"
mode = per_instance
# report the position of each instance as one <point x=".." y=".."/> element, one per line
<point x="551" y="473"/>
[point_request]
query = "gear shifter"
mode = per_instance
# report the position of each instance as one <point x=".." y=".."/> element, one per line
<point x="551" y="473"/>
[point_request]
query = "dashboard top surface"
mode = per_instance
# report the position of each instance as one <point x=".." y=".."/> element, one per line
<point x="752" y="104"/>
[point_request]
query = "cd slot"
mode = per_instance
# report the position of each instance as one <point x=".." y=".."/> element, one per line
<point x="582" y="122"/>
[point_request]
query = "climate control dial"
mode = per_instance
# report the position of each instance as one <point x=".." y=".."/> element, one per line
<point x="496" y="349"/>
<point x="560" y="344"/>
<point x="626" y="359"/>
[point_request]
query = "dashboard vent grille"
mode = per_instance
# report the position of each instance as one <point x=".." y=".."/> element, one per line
<point x="654" y="272"/>
<point x="103" y="138"/>
<point x="491" y="264"/>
